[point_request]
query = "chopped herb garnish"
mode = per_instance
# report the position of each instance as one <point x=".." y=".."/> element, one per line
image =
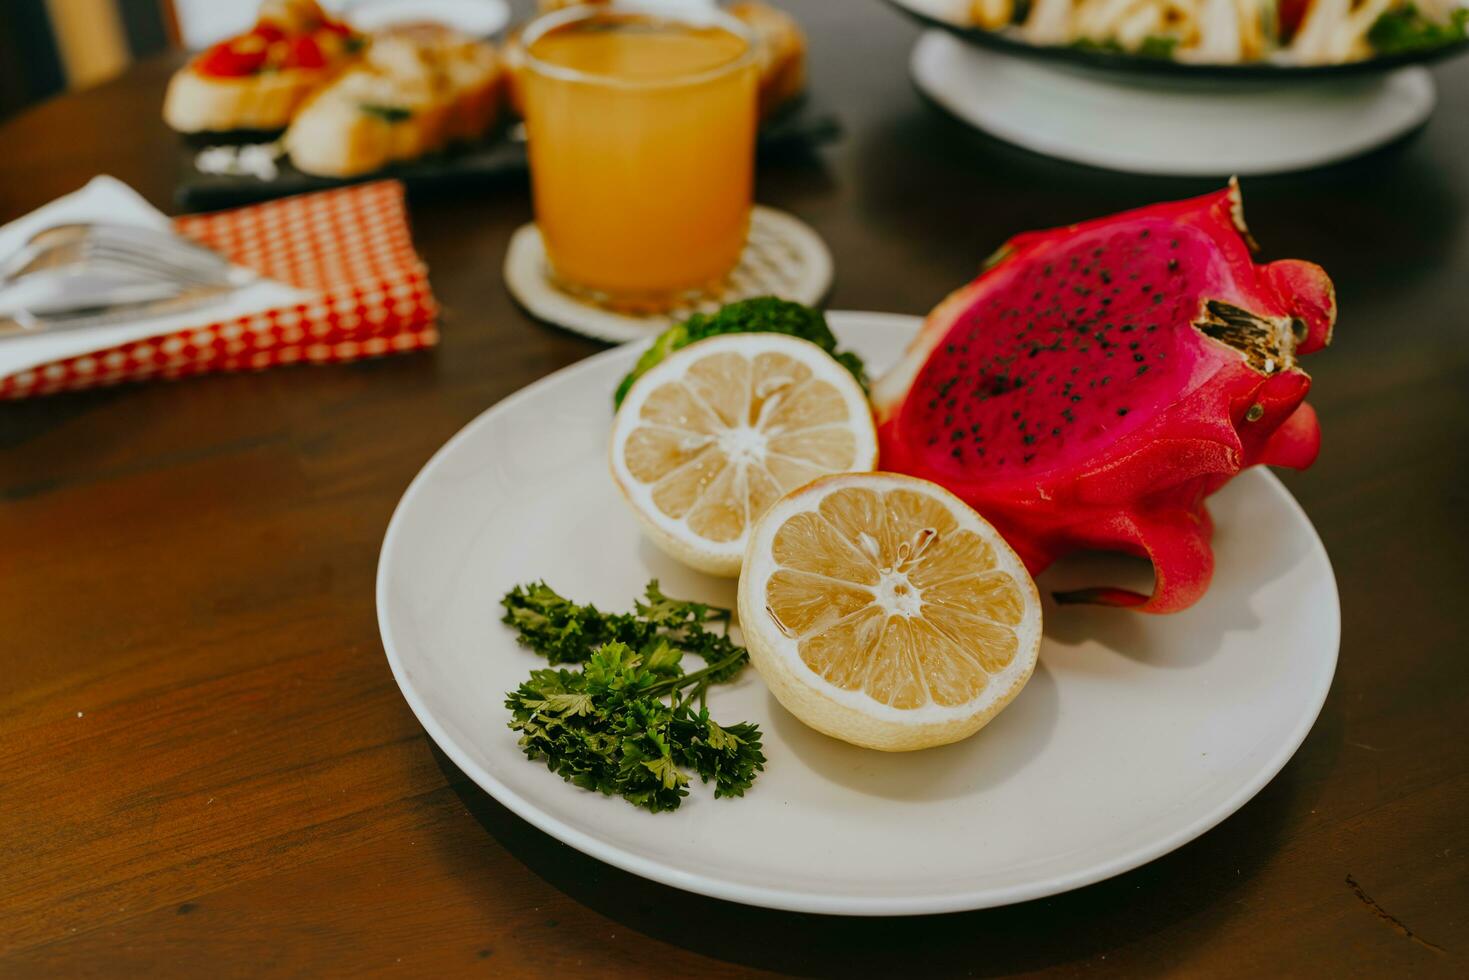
<point x="387" y="113"/>
<point x="626" y="724"/>
<point x="1157" y="46"/>
<point x="1407" y="29"/>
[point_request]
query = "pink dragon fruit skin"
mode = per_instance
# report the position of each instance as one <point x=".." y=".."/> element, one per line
<point x="1097" y="382"/>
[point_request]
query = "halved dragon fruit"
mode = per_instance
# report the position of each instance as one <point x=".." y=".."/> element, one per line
<point x="1098" y="381"/>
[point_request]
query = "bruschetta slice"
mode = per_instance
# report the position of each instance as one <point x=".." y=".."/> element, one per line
<point x="259" y="79"/>
<point x="417" y="90"/>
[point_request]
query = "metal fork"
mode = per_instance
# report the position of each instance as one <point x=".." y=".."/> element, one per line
<point x="148" y="251"/>
<point x="82" y="275"/>
<point x="23" y="323"/>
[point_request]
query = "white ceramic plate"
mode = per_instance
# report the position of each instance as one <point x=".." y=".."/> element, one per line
<point x="477" y="18"/>
<point x="1172" y="126"/>
<point x="1135" y="735"/>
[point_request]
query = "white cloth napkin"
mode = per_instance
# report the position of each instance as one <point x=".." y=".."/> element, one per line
<point x="109" y="199"/>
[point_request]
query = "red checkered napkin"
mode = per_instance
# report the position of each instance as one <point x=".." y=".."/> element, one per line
<point x="350" y="247"/>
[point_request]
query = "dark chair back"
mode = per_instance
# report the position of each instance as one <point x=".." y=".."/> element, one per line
<point x="48" y="48"/>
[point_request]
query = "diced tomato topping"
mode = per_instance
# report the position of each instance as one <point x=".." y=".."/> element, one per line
<point x="225" y="60"/>
<point x="268" y="44"/>
<point x="269" y="31"/>
<point x="305" y="53"/>
<point x="1292" y="12"/>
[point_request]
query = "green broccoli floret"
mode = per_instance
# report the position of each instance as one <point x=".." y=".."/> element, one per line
<point x="763" y="314"/>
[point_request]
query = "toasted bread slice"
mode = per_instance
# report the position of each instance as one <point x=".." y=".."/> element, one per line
<point x="512" y="57"/>
<point x="418" y="90"/>
<point x="197" y="103"/>
<point x="782" y="52"/>
<point x="259" y="79"/>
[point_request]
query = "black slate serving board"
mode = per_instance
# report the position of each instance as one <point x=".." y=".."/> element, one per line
<point x="498" y="157"/>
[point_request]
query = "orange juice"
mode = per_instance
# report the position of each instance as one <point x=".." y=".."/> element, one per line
<point x="641" y="134"/>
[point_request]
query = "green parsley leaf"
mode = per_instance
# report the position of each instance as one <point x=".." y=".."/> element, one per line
<point x="387" y="113"/>
<point x="1407" y="29"/>
<point x="625" y="724"/>
<point x="1157" y="46"/>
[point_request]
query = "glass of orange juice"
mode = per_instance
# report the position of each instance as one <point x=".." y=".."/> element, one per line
<point x="640" y="121"/>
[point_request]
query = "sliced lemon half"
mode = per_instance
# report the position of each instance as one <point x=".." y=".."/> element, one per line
<point x="882" y="610"/>
<point x="707" y="440"/>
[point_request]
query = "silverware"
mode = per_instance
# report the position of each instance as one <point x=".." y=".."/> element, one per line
<point x="96" y="273"/>
<point x="24" y="323"/>
<point x="146" y="249"/>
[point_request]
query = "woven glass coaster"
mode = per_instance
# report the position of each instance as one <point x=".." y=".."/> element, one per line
<point x="783" y="257"/>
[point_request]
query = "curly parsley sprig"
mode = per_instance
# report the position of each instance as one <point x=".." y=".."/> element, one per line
<point x="626" y="724"/>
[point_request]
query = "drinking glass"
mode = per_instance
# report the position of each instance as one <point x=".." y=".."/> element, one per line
<point x="640" y="122"/>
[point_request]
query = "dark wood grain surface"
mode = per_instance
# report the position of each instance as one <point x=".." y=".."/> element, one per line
<point x="205" y="765"/>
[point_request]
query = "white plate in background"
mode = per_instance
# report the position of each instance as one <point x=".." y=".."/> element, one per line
<point x="1174" y="126"/>
<point x="477" y="18"/>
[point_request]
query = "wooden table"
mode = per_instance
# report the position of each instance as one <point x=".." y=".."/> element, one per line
<point x="205" y="765"/>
